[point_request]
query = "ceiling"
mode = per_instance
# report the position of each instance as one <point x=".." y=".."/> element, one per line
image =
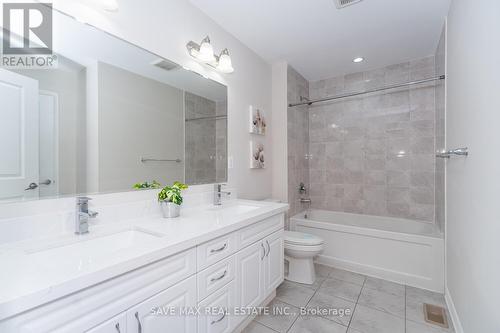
<point x="320" y="41"/>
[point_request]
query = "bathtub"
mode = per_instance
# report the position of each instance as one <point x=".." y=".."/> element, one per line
<point x="399" y="250"/>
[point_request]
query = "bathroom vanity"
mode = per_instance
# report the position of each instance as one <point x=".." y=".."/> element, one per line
<point x="138" y="276"/>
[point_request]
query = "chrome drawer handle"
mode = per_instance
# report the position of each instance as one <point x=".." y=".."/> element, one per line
<point x="117" y="326"/>
<point x="219" y="249"/>
<point x="219" y="278"/>
<point x="219" y="320"/>
<point x="139" y="325"/>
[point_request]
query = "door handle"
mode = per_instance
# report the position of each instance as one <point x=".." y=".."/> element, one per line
<point x="220" y="319"/>
<point x="263" y="248"/>
<point x="139" y="325"/>
<point x="117" y="326"/>
<point x="268" y="248"/>
<point x="46" y="182"/>
<point x="31" y="186"/>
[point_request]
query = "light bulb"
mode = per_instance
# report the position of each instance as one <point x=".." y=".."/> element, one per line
<point x="206" y="53"/>
<point x="225" y="64"/>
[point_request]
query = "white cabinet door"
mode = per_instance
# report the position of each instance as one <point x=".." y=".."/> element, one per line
<point x="18" y="136"/>
<point x="153" y="316"/>
<point x="116" y="324"/>
<point x="215" y="311"/>
<point x="250" y="275"/>
<point x="274" y="261"/>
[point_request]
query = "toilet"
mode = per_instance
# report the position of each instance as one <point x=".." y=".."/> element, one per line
<point x="300" y="250"/>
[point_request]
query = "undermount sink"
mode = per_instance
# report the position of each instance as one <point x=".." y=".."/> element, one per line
<point x="83" y="250"/>
<point x="235" y="209"/>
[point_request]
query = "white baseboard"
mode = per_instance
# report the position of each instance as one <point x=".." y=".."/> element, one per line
<point x="453" y="312"/>
<point x="382" y="273"/>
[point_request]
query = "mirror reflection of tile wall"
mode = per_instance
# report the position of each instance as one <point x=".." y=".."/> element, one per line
<point x="205" y="139"/>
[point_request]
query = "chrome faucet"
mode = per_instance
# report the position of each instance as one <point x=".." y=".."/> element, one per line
<point x="218" y="194"/>
<point x="82" y="215"/>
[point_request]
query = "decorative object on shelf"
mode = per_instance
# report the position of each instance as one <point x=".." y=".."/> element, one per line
<point x="257" y="121"/>
<point x="146" y="185"/>
<point x="204" y="52"/>
<point x="257" y="160"/>
<point x="170" y="199"/>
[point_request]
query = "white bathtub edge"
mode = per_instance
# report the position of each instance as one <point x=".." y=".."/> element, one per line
<point x="381" y="273"/>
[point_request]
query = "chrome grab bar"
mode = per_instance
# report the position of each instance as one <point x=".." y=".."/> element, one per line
<point x="144" y="160"/>
<point x="457" y="151"/>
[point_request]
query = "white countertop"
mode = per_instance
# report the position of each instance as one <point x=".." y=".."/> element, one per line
<point x="32" y="276"/>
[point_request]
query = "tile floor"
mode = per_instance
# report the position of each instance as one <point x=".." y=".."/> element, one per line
<point x="376" y="306"/>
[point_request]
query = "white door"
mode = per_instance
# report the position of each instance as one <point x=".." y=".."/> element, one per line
<point x="18" y="136"/>
<point x="152" y="315"/>
<point x="220" y="303"/>
<point x="49" y="146"/>
<point x="116" y="324"/>
<point x="274" y="261"/>
<point x="250" y="275"/>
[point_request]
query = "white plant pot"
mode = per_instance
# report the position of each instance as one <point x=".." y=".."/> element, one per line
<point x="169" y="209"/>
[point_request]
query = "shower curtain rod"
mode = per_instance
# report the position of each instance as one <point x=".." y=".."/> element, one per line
<point x="394" y="86"/>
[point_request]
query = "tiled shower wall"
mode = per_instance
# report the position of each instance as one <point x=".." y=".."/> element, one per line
<point x="373" y="154"/>
<point x="440" y="131"/>
<point x="298" y="137"/>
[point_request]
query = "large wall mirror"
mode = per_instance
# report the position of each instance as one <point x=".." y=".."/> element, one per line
<point x="108" y="116"/>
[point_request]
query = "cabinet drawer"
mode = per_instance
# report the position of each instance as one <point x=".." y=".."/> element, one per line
<point x="117" y="324"/>
<point x="153" y="315"/>
<point x="215" y="250"/>
<point x="218" y="320"/>
<point x="253" y="233"/>
<point x="216" y="276"/>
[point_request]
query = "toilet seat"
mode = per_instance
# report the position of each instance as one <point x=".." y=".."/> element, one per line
<point x="301" y="239"/>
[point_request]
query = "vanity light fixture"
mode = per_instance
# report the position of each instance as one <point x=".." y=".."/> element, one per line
<point x="204" y="53"/>
<point x="358" y="59"/>
<point x="224" y="63"/>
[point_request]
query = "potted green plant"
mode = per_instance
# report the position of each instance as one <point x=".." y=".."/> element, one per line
<point x="147" y="186"/>
<point x="170" y="199"/>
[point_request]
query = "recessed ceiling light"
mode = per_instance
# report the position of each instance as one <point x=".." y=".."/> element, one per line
<point x="358" y="59"/>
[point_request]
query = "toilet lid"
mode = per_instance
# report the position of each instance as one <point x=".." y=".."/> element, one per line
<point x="301" y="238"/>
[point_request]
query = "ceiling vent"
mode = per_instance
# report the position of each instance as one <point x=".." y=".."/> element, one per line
<point x="165" y="64"/>
<point x="344" y="3"/>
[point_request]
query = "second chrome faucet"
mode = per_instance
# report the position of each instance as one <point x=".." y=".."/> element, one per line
<point x="218" y="193"/>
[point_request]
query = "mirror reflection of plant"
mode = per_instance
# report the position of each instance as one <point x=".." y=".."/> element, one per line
<point x="172" y="193"/>
<point x="145" y="185"/>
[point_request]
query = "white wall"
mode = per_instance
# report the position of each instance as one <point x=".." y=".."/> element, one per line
<point x="137" y="113"/>
<point x="164" y="27"/>
<point x="279" y="131"/>
<point x="473" y="183"/>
